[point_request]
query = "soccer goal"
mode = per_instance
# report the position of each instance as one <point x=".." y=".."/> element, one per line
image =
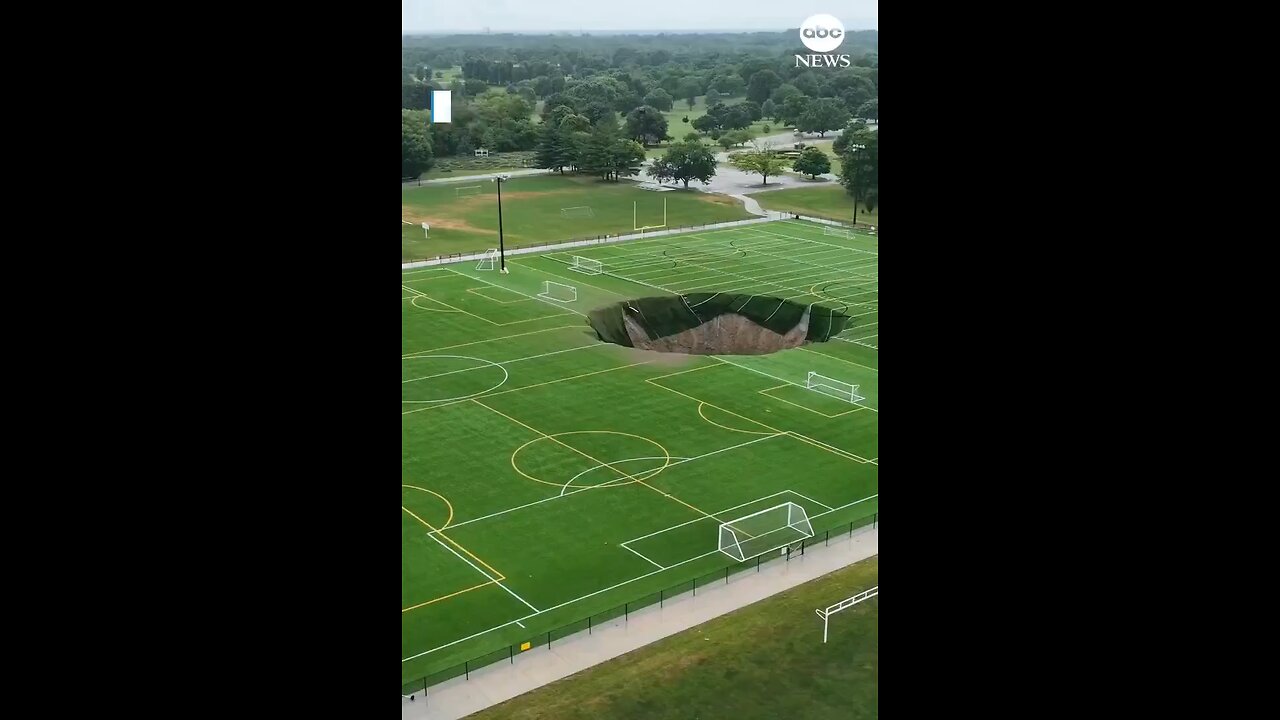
<point x="466" y="191"/>
<point x="558" y="291"/>
<point x="832" y="387"/>
<point x="426" y="230"/>
<point x="582" y="211"/>
<point x="837" y="231"/>
<point x="764" y="531"/>
<point x="587" y="266"/>
<point x="486" y="262"/>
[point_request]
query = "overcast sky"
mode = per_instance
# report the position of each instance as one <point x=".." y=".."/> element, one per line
<point x="420" y="16"/>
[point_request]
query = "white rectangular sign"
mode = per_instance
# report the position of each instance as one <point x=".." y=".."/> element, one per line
<point x="441" y="106"/>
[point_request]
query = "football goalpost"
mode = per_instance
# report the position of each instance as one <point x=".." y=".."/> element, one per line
<point x="635" y="224"/>
<point x="764" y="531"/>
<point x="558" y="291"/>
<point x="832" y="387"/>
<point x="581" y="211"/>
<point x="586" y="266"/>
<point x="842" y="605"/>
<point x="466" y="191"/>
<point x="487" y="260"/>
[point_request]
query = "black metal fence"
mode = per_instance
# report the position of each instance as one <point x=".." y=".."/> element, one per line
<point x="623" y="612"/>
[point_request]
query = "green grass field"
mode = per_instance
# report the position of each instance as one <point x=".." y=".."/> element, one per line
<point x="531" y="212"/>
<point x="547" y="476"/>
<point x="829" y="200"/>
<point x="729" y="667"/>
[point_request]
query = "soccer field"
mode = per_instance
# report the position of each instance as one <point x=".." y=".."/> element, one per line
<point x="548" y="477"/>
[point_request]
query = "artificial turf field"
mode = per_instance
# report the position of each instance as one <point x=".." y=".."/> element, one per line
<point x="547" y="476"/>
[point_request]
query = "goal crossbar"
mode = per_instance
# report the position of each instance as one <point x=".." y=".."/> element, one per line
<point x="764" y="531"/>
<point x="559" y="292"/>
<point x="586" y="265"/>
<point x="843" y="604"/>
<point x="834" y="388"/>
<point x="487" y="260"/>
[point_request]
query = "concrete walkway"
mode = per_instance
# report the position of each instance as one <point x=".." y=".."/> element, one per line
<point x="534" y="668"/>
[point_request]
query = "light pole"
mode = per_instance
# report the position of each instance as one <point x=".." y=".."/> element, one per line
<point x="857" y="181"/>
<point x="502" y="252"/>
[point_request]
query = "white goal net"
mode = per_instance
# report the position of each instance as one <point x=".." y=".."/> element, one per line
<point x="582" y="211"/>
<point x="837" y="232"/>
<point x="764" y="531"/>
<point x="558" y="292"/>
<point x="486" y="262"/>
<point x="834" y="388"/>
<point x="586" y="265"/>
<point x="466" y="191"/>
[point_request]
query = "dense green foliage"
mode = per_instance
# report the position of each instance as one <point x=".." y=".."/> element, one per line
<point x="812" y="162"/>
<point x="499" y="80"/>
<point x="689" y="160"/>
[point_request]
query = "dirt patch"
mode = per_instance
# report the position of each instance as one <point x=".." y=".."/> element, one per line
<point x="439" y="223"/>
<point x="727" y="334"/>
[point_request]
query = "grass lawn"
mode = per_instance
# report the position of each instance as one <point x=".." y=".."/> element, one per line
<point x="495" y="163"/>
<point x="828" y="200"/>
<point x="531" y="214"/>
<point x="548" y="477"/>
<point x="677" y="128"/>
<point x="766" y="660"/>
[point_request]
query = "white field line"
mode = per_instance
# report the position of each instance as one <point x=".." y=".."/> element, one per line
<point x="815" y="502"/>
<point x="504" y="362"/>
<point x="532" y="297"/>
<point x="594" y="487"/>
<point x="661" y="567"/>
<point x="589" y="595"/>
<point x="615" y="482"/>
<point x="481" y="342"/>
<point x="775" y="377"/>
<point x="717" y="513"/>
<point x="482" y="572"/>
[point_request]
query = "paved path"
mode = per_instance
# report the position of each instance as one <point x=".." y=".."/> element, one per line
<point x="534" y="668"/>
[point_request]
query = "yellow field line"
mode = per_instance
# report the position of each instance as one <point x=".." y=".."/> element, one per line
<point x="527" y="387"/>
<point x="500" y="577"/>
<point x="833" y="357"/>
<point x="726" y="427"/>
<point x="744" y="417"/>
<point x="598" y="462"/>
<point x="504" y="337"/>
<point x="433" y="492"/>
<point x="804" y="407"/>
<point x="446" y="597"/>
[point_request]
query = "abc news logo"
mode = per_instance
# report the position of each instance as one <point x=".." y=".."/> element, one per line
<point x="822" y="34"/>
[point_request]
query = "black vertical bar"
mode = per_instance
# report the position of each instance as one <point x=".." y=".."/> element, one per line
<point x="827" y="535"/>
<point x="661" y="596"/>
<point x="626" y="612"/>
<point x="802" y="544"/>
<point x="511" y="654"/>
<point x="502" y="253"/>
<point x="466" y="668"/>
<point x="548" y="640"/>
<point x="758" y="562"/>
<point x="874" y="518"/>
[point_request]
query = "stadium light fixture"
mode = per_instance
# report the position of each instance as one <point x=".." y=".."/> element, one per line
<point x="502" y="252"/>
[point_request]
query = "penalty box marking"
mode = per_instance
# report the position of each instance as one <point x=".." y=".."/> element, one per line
<point x="626" y="544"/>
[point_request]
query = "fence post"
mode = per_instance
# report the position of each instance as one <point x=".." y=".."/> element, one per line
<point x="588" y="624"/>
<point x="827" y="534"/>
<point x="874" y="518"/>
<point x="802" y="544"/>
<point x="626" y="612"/>
<point x="466" y="668"/>
<point x="548" y="639"/>
<point x="661" y="596"/>
<point x="758" y="562"/>
<point x="511" y="654"/>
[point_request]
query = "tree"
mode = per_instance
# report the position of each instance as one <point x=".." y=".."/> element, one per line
<point x="762" y="84"/>
<point x="769" y="109"/>
<point x="780" y="96"/>
<point x="659" y="99"/>
<point x="731" y="85"/>
<point x="794" y="107"/>
<point x="812" y="162"/>
<point x="761" y="161"/>
<point x="706" y="123"/>
<point x="415" y="96"/>
<point x="626" y="158"/>
<point x="690" y="160"/>
<point x="822" y="115"/>
<point x="691" y="100"/>
<point x="692" y="137"/>
<point x="860" y="170"/>
<point x="416" y="156"/>
<point x="733" y="137"/>
<point x="646" y="124"/>
<point x="870" y="109"/>
<point x="753" y="109"/>
<point x="555" y="151"/>
<point x="765" y="127"/>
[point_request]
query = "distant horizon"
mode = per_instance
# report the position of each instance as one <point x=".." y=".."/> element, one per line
<point x="519" y="17"/>
<point x="707" y="31"/>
